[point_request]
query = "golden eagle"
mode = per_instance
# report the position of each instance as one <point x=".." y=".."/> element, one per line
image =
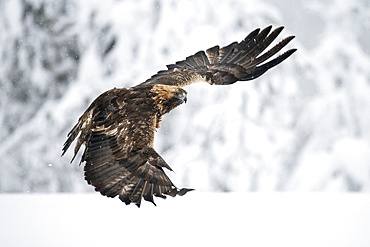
<point x="118" y="128"/>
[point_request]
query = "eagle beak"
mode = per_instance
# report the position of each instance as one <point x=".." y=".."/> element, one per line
<point x="185" y="99"/>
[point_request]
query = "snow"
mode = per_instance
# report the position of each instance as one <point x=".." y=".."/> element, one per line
<point x="302" y="126"/>
<point x="196" y="219"/>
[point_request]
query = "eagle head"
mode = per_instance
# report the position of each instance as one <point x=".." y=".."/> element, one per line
<point x="169" y="97"/>
<point x="181" y="95"/>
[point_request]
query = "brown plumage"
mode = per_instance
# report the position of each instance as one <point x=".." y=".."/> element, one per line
<point x="118" y="127"/>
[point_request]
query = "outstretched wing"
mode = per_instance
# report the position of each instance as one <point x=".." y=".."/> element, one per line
<point x="236" y="62"/>
<point x="118" y="131"/>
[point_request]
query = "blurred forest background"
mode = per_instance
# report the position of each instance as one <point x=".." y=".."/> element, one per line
<point x="303" y="126"/>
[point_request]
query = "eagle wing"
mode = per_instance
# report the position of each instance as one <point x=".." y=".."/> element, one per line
<point x="118" y="131"/>
<point x="241" y="61"/>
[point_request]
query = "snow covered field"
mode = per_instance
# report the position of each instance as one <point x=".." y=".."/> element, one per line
<point x="197" y="219"/>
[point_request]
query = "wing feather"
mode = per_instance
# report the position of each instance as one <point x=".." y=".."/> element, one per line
<point x="235" y="62"/>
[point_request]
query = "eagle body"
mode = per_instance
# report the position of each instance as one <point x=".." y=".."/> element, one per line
<point x="118" y="127"/>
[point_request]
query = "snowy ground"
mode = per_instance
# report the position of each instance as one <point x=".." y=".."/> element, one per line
<point x="197" y="219"/>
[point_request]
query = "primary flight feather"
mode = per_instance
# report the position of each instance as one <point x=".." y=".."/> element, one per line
<point x="118" y="128"/>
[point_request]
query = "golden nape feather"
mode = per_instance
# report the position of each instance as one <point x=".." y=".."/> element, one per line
<point x="118" y="128"/>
